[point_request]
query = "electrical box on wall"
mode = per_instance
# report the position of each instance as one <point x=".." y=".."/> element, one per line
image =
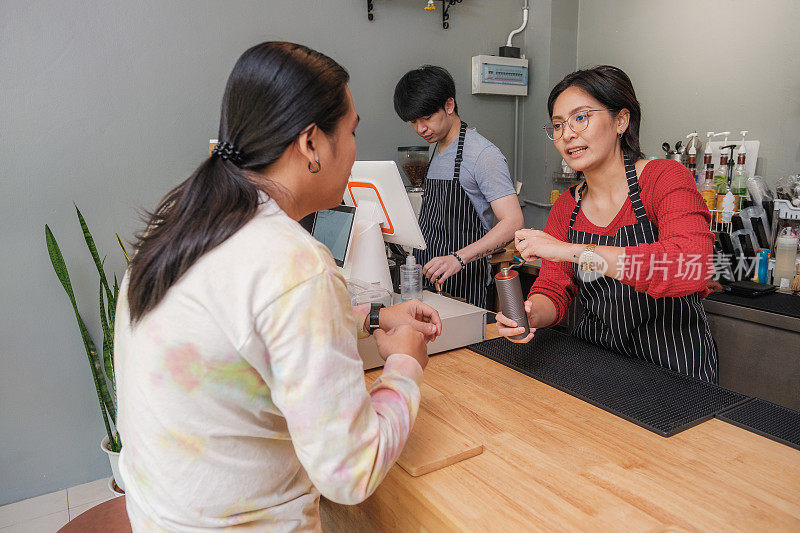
<point x="499" y="75"/>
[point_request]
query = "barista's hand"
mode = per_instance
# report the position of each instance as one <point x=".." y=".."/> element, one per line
<point x="440" y="268"/>
<point x="420" y="316"/>
<point x="508" y="328"/>
<point x="402" y="339"/>
<point x="533" y="243"/>
<point x="713" y="286"/>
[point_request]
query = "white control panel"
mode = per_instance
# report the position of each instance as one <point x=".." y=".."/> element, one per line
<point x="499" y="75"/>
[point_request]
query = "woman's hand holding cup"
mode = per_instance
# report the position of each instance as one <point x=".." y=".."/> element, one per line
<point x="508" y="328"/>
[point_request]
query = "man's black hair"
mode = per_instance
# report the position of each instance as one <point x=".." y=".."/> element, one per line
<point x="423" y="91"/>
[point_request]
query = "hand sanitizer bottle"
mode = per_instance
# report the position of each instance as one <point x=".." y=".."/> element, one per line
<point x="410" y="280"/>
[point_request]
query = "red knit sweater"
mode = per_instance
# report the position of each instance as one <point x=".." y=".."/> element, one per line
<point x="679" y="263"/>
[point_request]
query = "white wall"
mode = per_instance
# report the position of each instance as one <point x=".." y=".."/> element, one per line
<point x="710" y="65"/>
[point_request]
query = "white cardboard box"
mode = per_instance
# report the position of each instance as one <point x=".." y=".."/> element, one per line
<point x="462" y="324"/>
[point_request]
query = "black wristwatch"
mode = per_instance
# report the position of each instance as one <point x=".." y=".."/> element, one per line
<point x="374" y="316"/>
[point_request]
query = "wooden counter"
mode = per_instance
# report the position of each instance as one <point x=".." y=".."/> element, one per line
<point x="553" y="462"/>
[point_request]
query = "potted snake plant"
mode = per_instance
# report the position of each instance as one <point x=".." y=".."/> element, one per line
<point x="101" y="364"/>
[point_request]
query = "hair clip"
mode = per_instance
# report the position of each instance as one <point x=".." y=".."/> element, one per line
<point x="227" y="152"/>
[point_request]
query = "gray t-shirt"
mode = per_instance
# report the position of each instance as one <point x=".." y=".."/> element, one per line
<point x="484" y="172"/>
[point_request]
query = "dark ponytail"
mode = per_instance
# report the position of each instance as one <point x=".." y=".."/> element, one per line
<point x="276" y="89"/>
<point x="613" y="88"/>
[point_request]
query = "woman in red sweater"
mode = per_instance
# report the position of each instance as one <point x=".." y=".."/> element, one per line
<point x="632" y="241"/>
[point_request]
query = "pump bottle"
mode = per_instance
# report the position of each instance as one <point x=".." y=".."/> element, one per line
<point x="721" y="173"/>
<point x="410" y="280"/>
<point x="692" y="153"/>
<point x="723" y="185"/>
<point x="740" y="174"/>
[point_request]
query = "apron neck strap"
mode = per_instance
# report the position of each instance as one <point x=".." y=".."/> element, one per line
<point x="462" y="133"/>
<point x="633" y="191"/>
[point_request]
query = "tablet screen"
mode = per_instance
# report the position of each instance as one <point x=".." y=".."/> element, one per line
<point x="332" y="227"/>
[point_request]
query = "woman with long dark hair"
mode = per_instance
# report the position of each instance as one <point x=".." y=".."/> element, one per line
<point x="241" y="392"/>
<point x="633" y="240"/>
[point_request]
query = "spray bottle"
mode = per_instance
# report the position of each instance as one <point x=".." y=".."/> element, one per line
<point x="740" y="175"/>
<point x="706" y="185"/>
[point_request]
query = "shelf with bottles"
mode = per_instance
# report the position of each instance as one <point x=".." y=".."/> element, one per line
<point x="786" y="211"/>
<point x="562" y="179"/>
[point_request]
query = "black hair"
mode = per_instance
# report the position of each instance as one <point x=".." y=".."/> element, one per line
<point x="276" y="89"/>
<point x="423" y="91"/>
<point x="613" y="88"/>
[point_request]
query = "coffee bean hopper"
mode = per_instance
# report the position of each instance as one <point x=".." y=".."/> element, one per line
<point x="414" y="161"/>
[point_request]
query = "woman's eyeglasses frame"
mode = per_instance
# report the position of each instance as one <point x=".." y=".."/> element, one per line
<point x="549" y="128"/>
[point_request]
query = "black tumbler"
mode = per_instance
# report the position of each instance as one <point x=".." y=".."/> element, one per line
<point x="512" y="304"/>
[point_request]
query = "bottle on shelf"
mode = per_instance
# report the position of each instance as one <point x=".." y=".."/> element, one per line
<point x="692" y="157"/>
<point x="785" y="257"/>
<point x="740" y="174"/>
<point x="704" y="168"/>
<point x="722" y="182"/>
<point x="721" y="172"/>
<point x="707" y="188"/>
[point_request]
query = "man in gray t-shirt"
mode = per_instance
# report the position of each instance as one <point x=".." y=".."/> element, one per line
<point x="484" y="173"/>
<point x="469" y="208"/>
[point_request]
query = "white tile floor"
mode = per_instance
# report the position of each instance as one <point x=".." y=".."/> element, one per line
<point x="49" y="512"/>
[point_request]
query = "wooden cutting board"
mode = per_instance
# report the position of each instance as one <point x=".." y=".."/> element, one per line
<point x="435" y="443"/>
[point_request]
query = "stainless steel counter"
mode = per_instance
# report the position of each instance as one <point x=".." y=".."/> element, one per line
<point x="758" y="348"/>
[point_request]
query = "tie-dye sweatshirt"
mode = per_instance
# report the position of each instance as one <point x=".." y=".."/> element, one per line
<point x="242" y="396"/>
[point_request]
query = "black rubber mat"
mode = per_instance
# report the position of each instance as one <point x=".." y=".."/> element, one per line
<point x="780" y="303"/>
<point x="653" y="397"/>
<point x="773" y="421"/>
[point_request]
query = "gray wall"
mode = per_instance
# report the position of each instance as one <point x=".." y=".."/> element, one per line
<point x="109" y="104"/>
<point x="714" y="65"/>
<point x="551" y="43"/>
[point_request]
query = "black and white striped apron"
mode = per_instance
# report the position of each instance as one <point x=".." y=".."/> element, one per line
<point x="671" y="332"/>
<point x="450" y="222"/>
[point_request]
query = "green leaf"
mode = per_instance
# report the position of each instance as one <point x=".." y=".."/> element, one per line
<point x="114" y="443"/>
<point x="108" y="344"/>
<point x="103" y="319"/>
<point x="112" y="307"/>
<point x="58" y="263"/>
<point x="60" y="267"/>
<point x="124" y="251"/>
<point x="87" y="236"/>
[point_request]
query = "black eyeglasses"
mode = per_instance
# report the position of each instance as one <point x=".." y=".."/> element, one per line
<point x="577" y="122"/>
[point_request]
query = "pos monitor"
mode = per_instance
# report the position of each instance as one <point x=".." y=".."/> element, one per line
<point x="383" y="213"/>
